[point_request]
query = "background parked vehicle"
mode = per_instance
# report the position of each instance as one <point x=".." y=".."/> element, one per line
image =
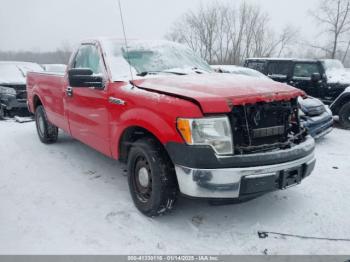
<point x="324" y="79"/>
<point x="13" y="93"/>
<point x="55" y="68"/>
<point x="168" y="110"/>
<point x="315" y="115"/>
<point x="232" y="69"/>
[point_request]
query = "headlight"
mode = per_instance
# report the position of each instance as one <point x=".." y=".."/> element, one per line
<point x="212" y="131"/>
<point x="8" y="91"/>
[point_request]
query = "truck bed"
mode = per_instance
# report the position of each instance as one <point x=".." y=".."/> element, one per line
<point x="49" y="88"/>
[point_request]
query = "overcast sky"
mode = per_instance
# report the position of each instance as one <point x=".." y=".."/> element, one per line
<point x="43" y="25"/>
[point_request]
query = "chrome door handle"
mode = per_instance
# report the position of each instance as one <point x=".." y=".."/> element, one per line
<point x="69" y="91"/>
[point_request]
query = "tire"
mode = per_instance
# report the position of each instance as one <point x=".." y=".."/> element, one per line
<point x="152" y="179"/>
<point x="2" y="112"/>
<point x="344" y="116"/>
<point x="47" y="132"/>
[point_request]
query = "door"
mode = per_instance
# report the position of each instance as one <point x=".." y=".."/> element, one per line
<point x="279" y="71"/>
<point x="87" y="107"/>
<point x="302" y="78"/>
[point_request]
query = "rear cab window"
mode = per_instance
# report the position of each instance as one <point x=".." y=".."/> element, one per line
<point x="279" y="69"/>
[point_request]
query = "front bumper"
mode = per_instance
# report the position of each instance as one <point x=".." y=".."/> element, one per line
<point x="11" y="102"/>
<point x="319" y="126"/>
<point x="236" y="183"/>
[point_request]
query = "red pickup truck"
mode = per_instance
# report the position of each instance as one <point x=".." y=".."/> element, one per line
<point x="178" y="126"/>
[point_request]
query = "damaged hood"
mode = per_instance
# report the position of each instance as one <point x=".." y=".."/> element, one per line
<point x="217" y="93"/>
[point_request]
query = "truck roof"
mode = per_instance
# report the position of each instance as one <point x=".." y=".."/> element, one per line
<point x="283" y="59"/>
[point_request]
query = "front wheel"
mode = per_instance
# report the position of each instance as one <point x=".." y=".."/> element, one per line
<point x="151" y="177"/>
<point x="47" y="132"/>
<point x="344" y="116"/>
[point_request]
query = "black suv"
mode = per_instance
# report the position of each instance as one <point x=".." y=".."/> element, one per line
<point x="324" y="79"/>
<point x="13" y="93"/>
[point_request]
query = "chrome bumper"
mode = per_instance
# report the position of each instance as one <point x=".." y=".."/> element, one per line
<point x="226" y="183"/>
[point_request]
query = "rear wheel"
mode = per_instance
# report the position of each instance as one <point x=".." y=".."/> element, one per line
<point x="2" y="112"/>
<point x="47" y="132"/>
<point x="151" y="177"/>
<point x="344" y="116"/>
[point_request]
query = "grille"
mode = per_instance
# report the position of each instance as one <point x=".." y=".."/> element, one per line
<point x="268" y="132"/>
<point x="21" y="91"/>
<point x="264" y="126"/>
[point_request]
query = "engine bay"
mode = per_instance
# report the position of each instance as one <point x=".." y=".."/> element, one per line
<point x="266" y="126"/>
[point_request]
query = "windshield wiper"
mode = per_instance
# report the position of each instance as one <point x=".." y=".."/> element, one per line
<point x="185" y="71"/>
<point x="145" y="73"/>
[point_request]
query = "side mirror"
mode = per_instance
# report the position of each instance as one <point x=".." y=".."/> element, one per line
<point x="83" y="77"/>
<point x="316" y="77"/>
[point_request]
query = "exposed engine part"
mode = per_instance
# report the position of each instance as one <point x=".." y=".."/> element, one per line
<point x="266" y="126"/>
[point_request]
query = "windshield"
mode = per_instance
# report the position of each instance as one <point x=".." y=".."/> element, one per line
<point x="152" y="57"/>
<point x="332" y="64"/>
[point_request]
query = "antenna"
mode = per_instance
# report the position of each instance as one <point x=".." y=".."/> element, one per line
<point x="126" y="41"/>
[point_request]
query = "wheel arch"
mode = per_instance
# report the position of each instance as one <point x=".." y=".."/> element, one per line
<point x="130" y="135"/>
<point x="340" y="102"/>
<point x="36" y="102"/>
<point x="139" y="122"/>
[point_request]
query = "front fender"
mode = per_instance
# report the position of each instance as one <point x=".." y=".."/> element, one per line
<point x="340" y="101"/>
<point x="163" y="128"/>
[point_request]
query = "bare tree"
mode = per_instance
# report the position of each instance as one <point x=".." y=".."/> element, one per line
<point x="227" y="34"/>
<point x="347" y="49"/>
<point x="334" y="16"/>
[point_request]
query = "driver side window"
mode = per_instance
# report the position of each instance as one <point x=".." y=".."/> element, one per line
<point x="305" y="70"/>
<point x="89" y="57"/>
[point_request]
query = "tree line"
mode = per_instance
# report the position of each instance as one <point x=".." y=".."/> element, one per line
<point x="227" y="33"/>
<point x="60" y="56"/>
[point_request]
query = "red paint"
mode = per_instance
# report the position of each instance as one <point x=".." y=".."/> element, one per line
<point x="212" y="91"/>
<point x="154" y="105"/>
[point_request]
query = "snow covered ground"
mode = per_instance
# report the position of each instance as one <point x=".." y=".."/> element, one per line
<point x="68" y="199"/>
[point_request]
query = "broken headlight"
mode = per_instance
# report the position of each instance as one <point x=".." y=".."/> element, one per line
<point x="212" y="131"/>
